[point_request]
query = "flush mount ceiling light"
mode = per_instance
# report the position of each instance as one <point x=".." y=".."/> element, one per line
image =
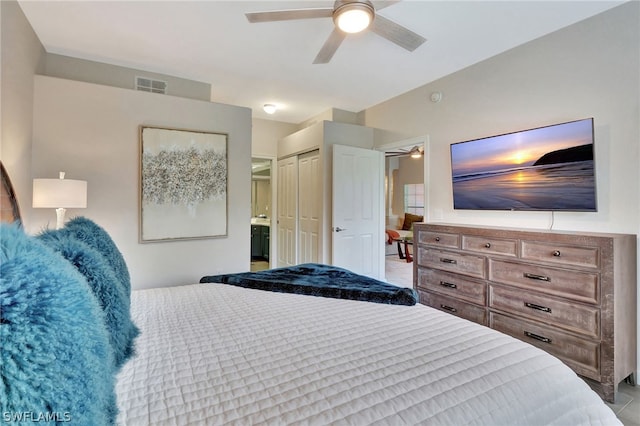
<point x="353" y="17"/>
<point x="269" y="108"/>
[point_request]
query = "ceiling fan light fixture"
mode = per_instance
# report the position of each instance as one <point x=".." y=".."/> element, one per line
<point x="269" y="108"/>
<point x="415" y="152"/>
<point x="353" y="17"/>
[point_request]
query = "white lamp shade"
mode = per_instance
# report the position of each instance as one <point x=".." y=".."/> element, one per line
<point x="59" y="193"/>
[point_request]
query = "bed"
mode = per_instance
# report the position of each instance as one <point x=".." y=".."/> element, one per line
<point x="77" y="351"/>
<point x="220" y="354"/>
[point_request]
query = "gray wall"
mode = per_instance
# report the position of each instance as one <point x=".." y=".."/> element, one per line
<point x="410" y="170"/>
<point x="113" y="75"/>
<point x="22" y="57"/>
<point x="265" y="137"/>
<point x="97" y="141"/>
<point x="590" y="69"/>
<point x="91" y="132"/>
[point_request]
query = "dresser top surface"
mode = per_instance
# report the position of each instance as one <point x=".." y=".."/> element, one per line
<point x="516" y="232"/>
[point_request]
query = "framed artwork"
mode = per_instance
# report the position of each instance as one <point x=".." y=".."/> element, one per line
<point x="183" y="184"/>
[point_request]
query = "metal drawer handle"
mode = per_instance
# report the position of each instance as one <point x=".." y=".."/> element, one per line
<point x="451" y="261"/>
<point x="556" y="253"/>
<point x="446" y="284"/>
<point x="488" y="245"/>
<point x="537" y="337"/>
<point x="448" y="308"/>
<point x="437" y="239"/>
<point x="536" y="277"/>
<point x="537" y="307"/>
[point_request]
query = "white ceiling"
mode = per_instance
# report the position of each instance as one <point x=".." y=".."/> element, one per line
<point x="253" y="64"/>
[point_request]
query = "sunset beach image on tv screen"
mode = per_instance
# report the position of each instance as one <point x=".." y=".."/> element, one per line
<point x="547" y="168"/>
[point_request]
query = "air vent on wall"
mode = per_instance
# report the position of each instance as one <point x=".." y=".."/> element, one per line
<point x="150" y="85"/>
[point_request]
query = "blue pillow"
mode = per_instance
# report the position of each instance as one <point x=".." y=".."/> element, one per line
<point x="89" y="232"/>
<point x="106" y="287"/>
<point x="56" y="358"/>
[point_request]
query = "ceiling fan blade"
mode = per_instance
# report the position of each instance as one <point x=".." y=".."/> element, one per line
<point x="381" y="4"/>
<point x="330" y="46"/>
<point x="398" y="34"/>
<point x="286" y="15"/>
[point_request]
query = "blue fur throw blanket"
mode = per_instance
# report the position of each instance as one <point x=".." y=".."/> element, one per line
<point x="94" y="236"/>
<point x="320" y="280"/>
<point x="111" y="293"/>
<point x="55" y="357"/>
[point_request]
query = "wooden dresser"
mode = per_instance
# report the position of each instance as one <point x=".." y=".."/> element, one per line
<point x="572" y="294"/>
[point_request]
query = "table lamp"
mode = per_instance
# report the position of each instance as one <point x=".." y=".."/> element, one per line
<point x="60" y="194"/>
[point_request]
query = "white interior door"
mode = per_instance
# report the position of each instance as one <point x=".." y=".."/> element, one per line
<point x="287" y="211"/>
<point x="357" y="210"/>
<point x="309" y="199"/>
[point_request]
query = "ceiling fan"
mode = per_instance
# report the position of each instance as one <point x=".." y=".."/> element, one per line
<point x="415" y="152"/>
<point x="363" y="14"/>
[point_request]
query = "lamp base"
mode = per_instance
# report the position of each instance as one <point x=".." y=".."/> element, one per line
<point x="60" y="217"/>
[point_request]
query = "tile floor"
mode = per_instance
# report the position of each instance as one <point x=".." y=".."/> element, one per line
<point x="398" y="271"/>
<point x="259" y="265"/>
<point x="627" y="407"/>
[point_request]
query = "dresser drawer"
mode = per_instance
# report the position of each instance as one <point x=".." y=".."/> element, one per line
<point x="561" y="254"/>
<point x="465" y="264"/>
<point x="439" y="239"/>
<point x="582" y="355"/>
<point x="454" y="307"/>
<point x="490" y="245"/>
<point x="453" y="285"/>
<point x="582" y="286"/>
<point x="572" y="317"/>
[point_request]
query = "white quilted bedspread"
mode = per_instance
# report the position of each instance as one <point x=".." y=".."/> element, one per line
<point x="222" y="355"/>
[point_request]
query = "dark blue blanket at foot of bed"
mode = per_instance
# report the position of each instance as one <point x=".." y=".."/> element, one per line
<point x="319" y="280"/>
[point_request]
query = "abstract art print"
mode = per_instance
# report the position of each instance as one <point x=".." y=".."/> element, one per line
<point x="183" y="184"/>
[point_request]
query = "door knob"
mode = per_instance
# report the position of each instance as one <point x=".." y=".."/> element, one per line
<point x="338" y="229"/>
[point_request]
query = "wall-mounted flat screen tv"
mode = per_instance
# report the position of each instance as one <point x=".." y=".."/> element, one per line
<point x="546" y="168"/>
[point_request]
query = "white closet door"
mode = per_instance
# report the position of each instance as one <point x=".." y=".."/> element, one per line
<point x="287" y="211"/>
<point x="309" y="207"/>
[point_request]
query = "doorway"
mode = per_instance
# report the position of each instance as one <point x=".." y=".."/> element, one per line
<point x="261" y="213"/>
<point x="405" y="193"/>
